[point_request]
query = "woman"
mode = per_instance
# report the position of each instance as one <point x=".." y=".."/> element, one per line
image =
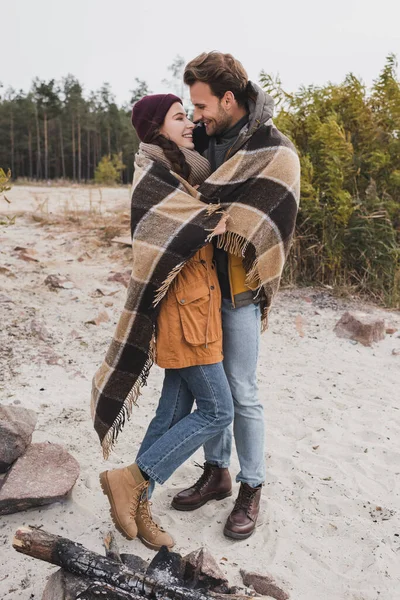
<point x="188" y="342"/>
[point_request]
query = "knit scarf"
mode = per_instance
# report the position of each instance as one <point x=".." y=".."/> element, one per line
<point x="259" y="188"/>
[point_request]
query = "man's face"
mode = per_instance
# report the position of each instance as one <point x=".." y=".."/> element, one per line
<point x="209" y="109"/>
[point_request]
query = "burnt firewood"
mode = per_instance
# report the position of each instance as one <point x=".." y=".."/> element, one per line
<point x="96" y="591"/>
<point x="62" y="585"/>
<point x="137" y="564"/>
<point x="80" y="561"/>
<point x="111" y="547"/>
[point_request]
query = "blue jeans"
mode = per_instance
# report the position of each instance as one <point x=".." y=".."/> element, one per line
<point x="175" y="432"/>
<point x="241" y="328"/>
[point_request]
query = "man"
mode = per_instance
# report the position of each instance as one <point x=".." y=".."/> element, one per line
<point x="230" y="110"/>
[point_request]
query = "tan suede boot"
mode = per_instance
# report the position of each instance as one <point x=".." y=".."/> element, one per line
<point x="151" y="534"/>
<point x="124" y="488"/>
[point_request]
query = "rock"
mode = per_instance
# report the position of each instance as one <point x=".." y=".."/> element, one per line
<point x="125" y="240"/>
<point x="47" y="353"/>
<point x="46" y="473"/>
<point x="7" y="271"/>
<point x="360" y="327"/>
<point x="27" y="254"/>
<point x="62" y="585"/>
<point x="16" y="427"/>
<point x="38" y="329"/>
<point x="84" y="256"/>
<point x="263" y="584"/>
<point x="77" y="335"/>
<point x="391" y="330"/>
<point x="121" y="277"/>
<point x="99" y="292"/>
<point x="102" y="317"/>
<point x="202" y="571"/>
<point x="59" y="281"/>
<point x="395" y="352"/>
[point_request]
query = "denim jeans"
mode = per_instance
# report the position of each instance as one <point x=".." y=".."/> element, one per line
<point x="241" y="328"/>
<point x="175" y="432"/>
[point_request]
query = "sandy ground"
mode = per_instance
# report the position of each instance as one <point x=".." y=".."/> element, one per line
<point x="330" y="522"/>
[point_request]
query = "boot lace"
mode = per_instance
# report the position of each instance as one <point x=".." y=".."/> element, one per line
<point x="245" y="498"/>
<point x="145" y="515"/>
<point x="143" y="508"/>
<point x="135" y="504"/>
<point x="204" y="477"/>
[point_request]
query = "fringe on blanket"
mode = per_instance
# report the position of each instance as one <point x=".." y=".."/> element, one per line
<point x="111" y="437"/>
<point x="164" y="287"/>
<point x="237" y="245"/>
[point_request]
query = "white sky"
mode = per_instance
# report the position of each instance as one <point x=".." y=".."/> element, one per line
<point x="305" y="41"/>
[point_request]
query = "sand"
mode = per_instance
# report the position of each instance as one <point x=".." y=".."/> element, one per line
<point x="330" y="521"/>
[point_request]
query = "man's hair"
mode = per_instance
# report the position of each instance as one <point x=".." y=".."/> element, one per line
<point x="222" y="72"/>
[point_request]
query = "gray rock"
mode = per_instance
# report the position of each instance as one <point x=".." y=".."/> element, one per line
<point x="46" y="473"/>
<point x="62" y="585"/>
<point x="360" y="327"/>
<point x="16" y="427"/>
<point x="38" y="329"/>
<point x="264" y="584"/>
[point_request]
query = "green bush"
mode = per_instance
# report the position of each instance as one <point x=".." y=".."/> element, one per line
<point x="348" y="138"/>
<point x="109" y="169"/>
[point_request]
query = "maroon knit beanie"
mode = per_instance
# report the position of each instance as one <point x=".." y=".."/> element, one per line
<point x="149" y="113"/>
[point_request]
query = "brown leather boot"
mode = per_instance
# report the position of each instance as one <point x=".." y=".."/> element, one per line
<point x="124" y="490"/>
<point x="214" y="484"/>
<point x="152" y="535"/>
<point x="242" y="520"/>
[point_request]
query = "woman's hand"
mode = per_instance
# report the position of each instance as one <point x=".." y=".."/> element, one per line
<point x="221" y="227"/>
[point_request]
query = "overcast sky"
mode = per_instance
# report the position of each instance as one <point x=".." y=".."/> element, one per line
<point x="305" y="41"/>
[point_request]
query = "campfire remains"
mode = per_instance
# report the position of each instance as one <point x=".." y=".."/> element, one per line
<point x="87" y="575"/>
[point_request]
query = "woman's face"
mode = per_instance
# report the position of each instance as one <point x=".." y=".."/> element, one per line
<point x="177" y="127"/>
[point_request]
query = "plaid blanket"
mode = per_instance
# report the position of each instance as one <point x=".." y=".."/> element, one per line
<point x="259" y="188"/>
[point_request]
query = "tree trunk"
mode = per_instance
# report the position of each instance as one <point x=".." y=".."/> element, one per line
<point x="79" y="150"/>
<point x="73" y="151"/>
<point x="12" y="143"/>
<point x="46" y="148"/>
<point x="38" y="151"/>
<point x="30" y="153"/>
<point x="62" y="150"/>
<point x="94" y="144"/>
<point x="109" y="140"/>
<point x="87" y="155"/>
<point x="78" y="560"/>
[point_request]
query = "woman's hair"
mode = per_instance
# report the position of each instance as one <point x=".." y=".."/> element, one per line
<point x="173" y="154"/>
<point x="222" y="72"/>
